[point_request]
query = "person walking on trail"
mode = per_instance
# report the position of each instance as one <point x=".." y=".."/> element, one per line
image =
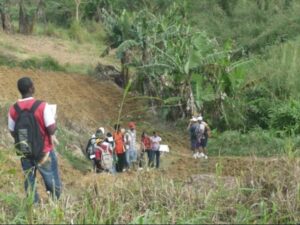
<point x="155" y="153"/>
<point x="104" y="155"/>
<point x="119" y="148"/>
<point x="203" y="133"/>
<point x="192" y="127"/>
<point x="91" y="145"/>
<point x="32" y="123"/>
<point x="126" y="147"/>
<point x="91" y="150"/>
<point x="132" y="144"/>
<point x="109" y="139"/>
<point x="145" y="148"/>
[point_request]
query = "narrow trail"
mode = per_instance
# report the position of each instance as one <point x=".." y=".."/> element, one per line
<point x="84" y="103"/>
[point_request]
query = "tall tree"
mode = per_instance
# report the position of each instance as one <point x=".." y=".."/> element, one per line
<point x="27" y="16"/>
<point x="5" y="21"/>
<point x="78" y="3"/>
<point x="41" y="11"/>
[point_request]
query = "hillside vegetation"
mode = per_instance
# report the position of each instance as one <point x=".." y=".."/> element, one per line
<point x="234" y="62"/>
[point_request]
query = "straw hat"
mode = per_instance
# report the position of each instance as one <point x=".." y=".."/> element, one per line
<point x="200" y="118"/>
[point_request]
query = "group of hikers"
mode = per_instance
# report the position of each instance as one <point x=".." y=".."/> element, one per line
<point x="32" y="124"/>
<point x="199" y="133"/>
<point x="118" y="151"/>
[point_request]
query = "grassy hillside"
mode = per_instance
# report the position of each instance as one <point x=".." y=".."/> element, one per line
<point x="251" y="175"/>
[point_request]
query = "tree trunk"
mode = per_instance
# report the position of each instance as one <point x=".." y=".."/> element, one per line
<point x="78" y="2"/>
<point x="26" y="21"/>
<point x="40" y="12"/>
<point x="125" y="69"/>
<point x="5" y="20"/>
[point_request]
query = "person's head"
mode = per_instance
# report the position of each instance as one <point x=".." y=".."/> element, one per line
<point x="117" y="127"/>
<point x="154" y="133"/>
<point x="100" y="132"/>
<point x="109" y="137"/>
<point x="144" y="134"/>
<point x="25" y="87"/>
<point x="131" y="125"/>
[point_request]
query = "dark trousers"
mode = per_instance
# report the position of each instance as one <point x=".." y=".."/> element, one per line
<point x="150" y="158"/>
<point x="154" y="155"/>
<point x="49" y="172"/>
<point x="121" y="162"/>
<point x="157" y="157"/>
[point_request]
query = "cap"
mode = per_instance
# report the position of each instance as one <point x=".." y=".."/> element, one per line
<point x="194" y="119"/>
<point x="100" y="132"/>
<point x="200" y="118"/>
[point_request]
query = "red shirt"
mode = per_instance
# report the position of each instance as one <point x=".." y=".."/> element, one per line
<point x="40" y="117"/>
<point x="119" y="142"/>
<point x="146" y="142"/>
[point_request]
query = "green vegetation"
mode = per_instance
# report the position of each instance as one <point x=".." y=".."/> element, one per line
<point x="233" y="61"/>
<point x="264" y="192"/>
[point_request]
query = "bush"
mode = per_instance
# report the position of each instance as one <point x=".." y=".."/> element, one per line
<point x="77" y="33"/>
<point x="7" y="61"/>
<point x="285" y="117"/>
<point x="257" y="142"/>
<point x="45" y="63"/>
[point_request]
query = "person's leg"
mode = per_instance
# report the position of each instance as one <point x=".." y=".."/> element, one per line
<point x="204" y="144"/>
<point x="29" y="170"/>
<point x="152" y="158"/>
<point x="157" y="155"/>
<point x="119" y="163"/>
<point x="193" y="145"/>
<point x="133" y="158"/>
<point x="124" y="161"/>
<point x="50" y="174"/>
<point x="141" y="160"/>
<point x="149" y="157"/>
<point x="127" y="159"/>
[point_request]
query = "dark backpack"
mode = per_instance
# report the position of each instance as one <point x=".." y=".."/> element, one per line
<point x="28" y="138"/>
<point x="90" y="148"/>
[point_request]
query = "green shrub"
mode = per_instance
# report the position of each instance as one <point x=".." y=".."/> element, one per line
<point x="77" y="32"/>
<point x="257" y="142"/>
<point x="285" y="117"/>
<point x="45" y="63"/>
<point x="7" y="61"/>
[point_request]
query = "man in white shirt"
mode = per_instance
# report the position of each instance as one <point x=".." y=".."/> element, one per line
<point x="155" y="153"/>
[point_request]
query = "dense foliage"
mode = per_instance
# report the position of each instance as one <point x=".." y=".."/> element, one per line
<point x="233" y="61"/>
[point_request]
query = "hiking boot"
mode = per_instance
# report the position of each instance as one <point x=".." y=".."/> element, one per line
<point x="195" y="155"/>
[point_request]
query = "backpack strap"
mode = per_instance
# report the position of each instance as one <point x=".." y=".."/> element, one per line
<point x="35" y="105"/>
<point x="17" y="108"/>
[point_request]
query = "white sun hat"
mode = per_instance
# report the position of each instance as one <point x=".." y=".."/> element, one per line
<point x="194" y="119"/>
<point x="200" y="118"/>
<point x="102" y="130"/>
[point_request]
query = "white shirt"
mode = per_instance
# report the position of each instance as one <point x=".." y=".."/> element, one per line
<point x="155" y="142"/>
<point x="49" y="118"/>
